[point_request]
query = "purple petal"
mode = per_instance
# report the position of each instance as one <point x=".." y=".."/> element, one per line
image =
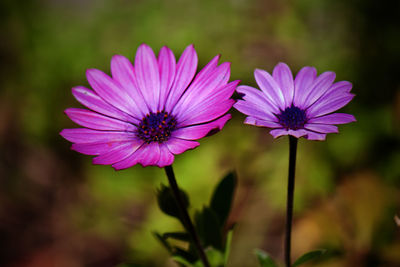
<point x="167" y="66"/>
<point x="319" y="87"/>
<point x="148" y="76"/>
<point x="100" y="148"/>
<point x="321" y="128"/>
<point x="315" y="136"/>
<point x="335" y="118"/>
<point x="262" y="123"/>
<point x="197" y="108"/>
<point x="185" y="71"/>
<point x="253" y="110"/>
<point x="207" y="70"/>
<point x="207" y="112"/>
<point x="284" y="78"/>
<point x="258" y="98"/>
<point x="199" y="131"/>
<point x="123" y="72"/>
<point x="83" y="135"/>
<point x="166" y="157"/>
<point x="270" y="88"/>
<point x="342" y="86"/>
<point x="150" y="154"/>
<point x="92" y="101"/>
<point x="203" y="88"/>
<point x="302" y="85"/>
<point x="111" y="92"/>
<point x="337" y="90"/>
<point x="146" y="155"/>
<point x="296" y="133"/>
<point x="129" y="161"/>
<point x="178" y="146"/>
<point x="278" y="132"/>
<point x="327" y="105"/>
<point x="117" y="153"/>
<point x="94" y="148"/>
<point x="92" y="120"/>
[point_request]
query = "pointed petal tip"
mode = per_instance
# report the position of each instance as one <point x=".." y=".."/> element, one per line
<point x="191" y="47"/>
<point x="282" y="64"/>
<point x="91" y="70"/>
<point x="116" y="56"/>
<point x="227" y="63"/>
<point x="216" y="58"/>
<point x="257" y="70"/>
<point x="91" y="73"/>
<point x="144" y="48"/>
<point x="144" y="45"/>
<point x="62" y="133"/>
<point x="235" y="83"/>
<point x="76" y="89"/>
<point x="67" y="111"/>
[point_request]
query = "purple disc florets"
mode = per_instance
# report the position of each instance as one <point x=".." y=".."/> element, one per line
<point x="156" y="127"/>
<point x="292" y="118"/>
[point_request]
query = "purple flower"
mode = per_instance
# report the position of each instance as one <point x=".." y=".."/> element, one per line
<point x="302" y="107"/>
<point x="149" y="112"/>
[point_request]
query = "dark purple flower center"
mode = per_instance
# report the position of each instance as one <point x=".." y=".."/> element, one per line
<point x="292" y="118"/>
<point x="156" y="127"/>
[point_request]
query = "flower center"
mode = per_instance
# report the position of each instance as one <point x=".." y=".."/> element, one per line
<point x="292" y="118"/>
<point x="156" y="127"/>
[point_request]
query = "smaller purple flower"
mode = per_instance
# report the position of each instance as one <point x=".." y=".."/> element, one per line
<point x="302" y="107"/>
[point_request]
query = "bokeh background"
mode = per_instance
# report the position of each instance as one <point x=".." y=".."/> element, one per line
<point x="57" y="209"/>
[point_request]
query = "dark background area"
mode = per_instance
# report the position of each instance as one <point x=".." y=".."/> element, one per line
<point x="57" y="209"/>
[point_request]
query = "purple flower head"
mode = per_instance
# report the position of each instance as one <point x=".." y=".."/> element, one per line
<point x="302" y="107"/>
<point x="150" y="111"/>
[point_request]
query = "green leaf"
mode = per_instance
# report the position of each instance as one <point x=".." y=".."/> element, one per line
<point x="264" y="259"/>
<point x="181" y="260"/>
<point x="228" y="247"/>
<point x="215" y="258"/>
<point x="309" y="256"/>
<point x="189" y="256"/>
<point x="221" y="200"/>
<point x="183" y="236"/>
<point x="208" y="226"/>
<point x="167" y="203"/>
<point x="163" y="241"/>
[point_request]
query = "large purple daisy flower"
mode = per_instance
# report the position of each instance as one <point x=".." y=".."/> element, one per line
<point x="302" y="107"/>
<point x="149" y="112"/>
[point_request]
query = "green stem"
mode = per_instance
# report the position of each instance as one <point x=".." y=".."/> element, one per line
<point x="185" y="216"/>
<point x="290" y="194"/>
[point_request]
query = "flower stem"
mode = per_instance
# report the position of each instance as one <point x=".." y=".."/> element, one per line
<point x="290" y="193"/>
<point x="185" y="216"/>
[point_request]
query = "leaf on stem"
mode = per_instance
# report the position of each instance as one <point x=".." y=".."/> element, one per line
<point x="222" y="198"/>
<point x="264" y="259"/>
<point x="208" y="227"/>
<point x="163" y="241"/>
<point x="309" y="256"/>
<point x="188" y="256"/>
<point x="182" y="236"/>
<point x="228" y="247"/>
<point x="167" y="203"/>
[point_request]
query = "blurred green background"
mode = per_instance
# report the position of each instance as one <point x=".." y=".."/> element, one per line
<point x="57" y="209"/>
